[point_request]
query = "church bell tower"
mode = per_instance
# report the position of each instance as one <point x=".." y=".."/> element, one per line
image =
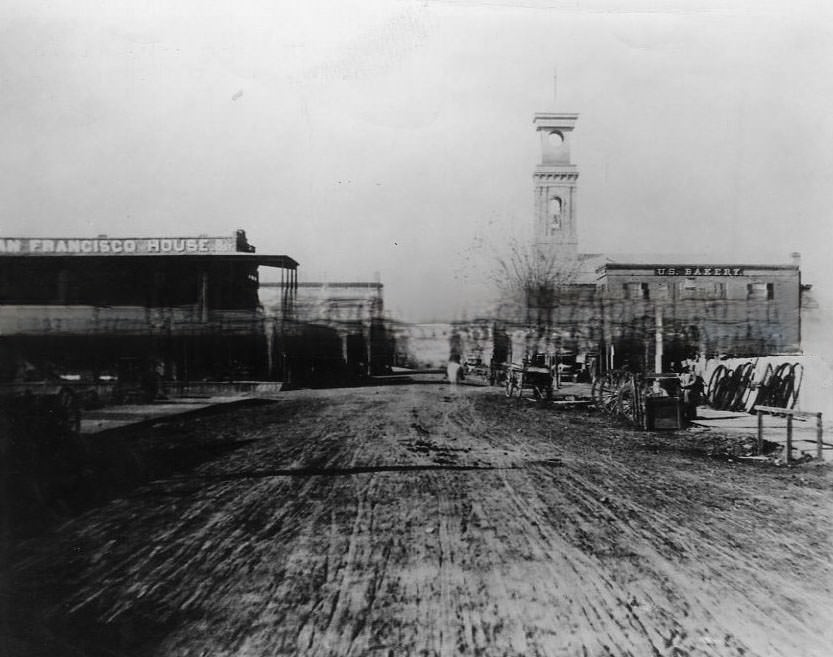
<point x="555" y="181"/>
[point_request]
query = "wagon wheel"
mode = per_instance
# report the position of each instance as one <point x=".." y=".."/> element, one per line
<point x="723" y="390"/>
<point x="69" y="413"/>
<point x="511" y="385"/>
<point x="714" y="383"/>
<point x="607" y="398"/>
<point x="763" y="387"/>
<point x="542" y="392"/>
<point x="786" y="391"/>
<point x="594" y="387"/>
<point x="798" y="377"/>
<point x="741" y="385"/>
<point x="776" y="389"/>
<point x="627" y="403"/>
<point x="785" y="386"/>
<point x="519" y="384"/>
<point x="726" y="390"/>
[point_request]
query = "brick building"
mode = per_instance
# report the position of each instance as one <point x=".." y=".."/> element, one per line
<point x="646" y="311"/>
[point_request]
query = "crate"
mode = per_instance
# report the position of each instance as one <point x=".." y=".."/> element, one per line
<point x="663" y="413"/>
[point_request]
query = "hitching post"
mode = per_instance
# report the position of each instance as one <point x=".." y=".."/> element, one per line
<point x="819" y="433"/>
<point x="760" y="446"/>
<point x="789" y="438"/>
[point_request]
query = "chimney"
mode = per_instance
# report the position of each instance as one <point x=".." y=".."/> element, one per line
<point x="796" y="258"/>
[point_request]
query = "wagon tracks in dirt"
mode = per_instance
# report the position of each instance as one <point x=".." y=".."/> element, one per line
<point x="606" y="525"/>
<point x="391" y="522"/>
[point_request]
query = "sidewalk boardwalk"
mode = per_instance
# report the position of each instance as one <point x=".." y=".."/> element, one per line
<point x="118" y="417"/>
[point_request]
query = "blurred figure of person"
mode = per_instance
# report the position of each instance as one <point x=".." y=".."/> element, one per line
<point x="454" y="371"/>
<point x="657" y="390"/>
<point x="493" y="372"/>
<point x="692" y="386"/>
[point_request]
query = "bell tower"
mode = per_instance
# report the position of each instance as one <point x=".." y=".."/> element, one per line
<point x="555" y="181"/>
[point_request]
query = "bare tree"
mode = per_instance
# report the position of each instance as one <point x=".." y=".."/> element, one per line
<point x="539" y="306"/>
<point x="532" y="281"/>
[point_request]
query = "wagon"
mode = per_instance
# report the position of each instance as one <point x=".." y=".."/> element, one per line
<point x="537" y="379"/>
<point x="650" y="401"/>
<point x="474" y="367"/>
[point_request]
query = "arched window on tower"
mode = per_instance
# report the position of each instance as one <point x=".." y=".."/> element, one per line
<point x="555" y="213"/>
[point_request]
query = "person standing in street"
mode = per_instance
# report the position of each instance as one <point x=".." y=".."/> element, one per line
<point x="692" y="387"/>
<point x="454" y="370"/>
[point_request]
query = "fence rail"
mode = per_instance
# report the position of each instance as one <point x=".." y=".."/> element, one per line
<point x="790" y="414"/>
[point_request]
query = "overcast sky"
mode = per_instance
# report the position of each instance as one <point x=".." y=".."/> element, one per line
<point x="397" y="136"/>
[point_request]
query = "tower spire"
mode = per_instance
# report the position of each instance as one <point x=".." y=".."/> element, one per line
<point x="555" y="87"/>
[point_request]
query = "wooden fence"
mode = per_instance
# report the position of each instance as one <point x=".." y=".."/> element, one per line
<point x="790" y="414"/>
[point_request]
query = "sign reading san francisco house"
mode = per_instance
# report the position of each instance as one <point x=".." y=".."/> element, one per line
<point x="698" y="271"/>
<point x="122" y="246"/>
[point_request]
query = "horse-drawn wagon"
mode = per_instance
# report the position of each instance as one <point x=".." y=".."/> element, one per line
<point x="528" y="375"/>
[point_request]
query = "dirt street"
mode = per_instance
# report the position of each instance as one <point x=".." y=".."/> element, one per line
<point x="423" y="520"/>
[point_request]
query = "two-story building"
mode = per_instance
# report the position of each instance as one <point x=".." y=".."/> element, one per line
<point x="186" y="307"/>
<point x="659" y="313"/>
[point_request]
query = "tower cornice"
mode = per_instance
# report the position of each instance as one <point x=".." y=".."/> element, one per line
<point x="556" y="168"/>
<point x="554" y="120"/>
<point x="555" y="174"/>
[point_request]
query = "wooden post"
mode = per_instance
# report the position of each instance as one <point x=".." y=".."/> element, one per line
<point x="658" y="338"/>
<point x="789" y="438"/>
<point x="760" y="446"/>
<point x="203" y="297"/>
<point x="819" y="434"/>
<point x="558" y="365"/>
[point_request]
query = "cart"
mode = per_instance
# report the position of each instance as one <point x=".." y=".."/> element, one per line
<point x="537" y="379"/>
<point x="474" y="367"/>
<point x="650" y="401"/>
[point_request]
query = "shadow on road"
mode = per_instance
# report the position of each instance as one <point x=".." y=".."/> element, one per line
<point x="346" y="472"/>
<point x="417" y="377"/>
<point x="337" y="472"/>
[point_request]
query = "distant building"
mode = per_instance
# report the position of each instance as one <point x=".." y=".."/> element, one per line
<point x="431" y="345"/>
<point x="337" y="330"/>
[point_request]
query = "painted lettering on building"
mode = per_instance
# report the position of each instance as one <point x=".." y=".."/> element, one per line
<point x="125" y="246"/>
<point x="699" y="271"/>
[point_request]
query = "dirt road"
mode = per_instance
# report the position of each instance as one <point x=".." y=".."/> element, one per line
<point x="420" y="520"/>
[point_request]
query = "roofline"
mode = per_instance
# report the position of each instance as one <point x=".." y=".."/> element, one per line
<point x="342" y="284"/>
<point x="280" y="261"/>
<point x="617" y="265"/>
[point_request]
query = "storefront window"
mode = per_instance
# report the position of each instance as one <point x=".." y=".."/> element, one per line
<point x="763" y="291"/>
<point x="660" y="291"/>
<point x="636" y="291"/>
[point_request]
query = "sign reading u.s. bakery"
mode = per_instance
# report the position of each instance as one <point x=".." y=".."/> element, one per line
<point x="698" y="271"/>
<point x="122" y="246"/>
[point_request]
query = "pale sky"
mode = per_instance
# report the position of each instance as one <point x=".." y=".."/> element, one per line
<point x="396" y="137"/>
